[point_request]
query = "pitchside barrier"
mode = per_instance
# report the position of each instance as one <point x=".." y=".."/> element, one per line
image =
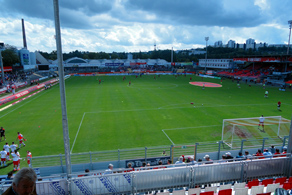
<point x="55" y="164"/>
<point x="165" y="178"/>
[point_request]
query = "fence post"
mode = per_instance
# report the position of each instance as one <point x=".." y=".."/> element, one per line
<point x="119" y="158"/>
<point x="219" y="149"/>
<point x="196" y="149"/>
<point x="264" y="140"/>
<point x="146" y="154"/>
<point x="61" y="162"/>
<point x="90" y="156"/>
<point x="170" y="152"/>
<point x="241" y="147"/>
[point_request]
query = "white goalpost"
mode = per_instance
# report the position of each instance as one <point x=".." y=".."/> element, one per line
<point x="249" y="128"/>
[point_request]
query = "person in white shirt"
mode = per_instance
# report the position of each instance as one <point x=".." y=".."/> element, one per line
<point x="7" y="149"/>
<point x="13" y="147"/>
<point x="3" y="157"/>
<point x="262" y="119"/>
<point x="109" y="170"/>
<point x="15" y="158"/>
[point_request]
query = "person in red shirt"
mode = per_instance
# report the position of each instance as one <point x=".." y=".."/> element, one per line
<point x="28" y="158"/>
<point x="279" y="105"/>
<point x="277" y="153"/>
<point x="129" y="83"/>
<point x="259" y="153"/>
<point x="20" y="138"/>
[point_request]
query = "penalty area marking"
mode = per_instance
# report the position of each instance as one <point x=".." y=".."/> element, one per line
<point x="163" y="130"/>
<point x="160" y="108"/>
<point x="206" y="84"/>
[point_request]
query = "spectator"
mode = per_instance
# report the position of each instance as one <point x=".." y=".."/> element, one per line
<point x="259" y="153"/>
<point x="200" y="161"/>
<point x="207" y="158"/>
<point x="86" y="171"/>
<point x="144" y="164"/>
<point x="192" y="161"/>
<point x="9" y="178"/>
<point x="277" y="153"/>
<point x="188" y="160"/>
<point x="180" y="161"/>
<point x="130" y="168"/>
<point x="284" y="150"/>
<point x="109" y="170"/>
<point x="247" y="155"/>
<point x="223" y="158"/>
<point x="267" y="153"/>
<point x="228" y="156"/>
<point x="272" y="149"/>
<point x="239" y="155"/>
<point x="163" y="153"/>
<point x="23" y="183"/>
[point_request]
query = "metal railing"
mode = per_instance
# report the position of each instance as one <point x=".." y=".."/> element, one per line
<point x="176" y="176"/>
<point x="215" y="150"/>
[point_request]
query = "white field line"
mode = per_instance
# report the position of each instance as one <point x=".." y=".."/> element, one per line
<point x="134" y="110"/>
<point x="23" y="104"/>
<point x="77" y="132"/>
<point x="287" y="104"/>
<point x="163" y="130"/>
<point x="191" y="127"/>
<point x="168" y="137"/>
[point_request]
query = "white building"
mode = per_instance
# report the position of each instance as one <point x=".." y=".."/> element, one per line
<point x="196" y="52"/>
<point x="231" y="44"/>
<point x="250" y="43"/>
<point x="216" y="63"/>
<point x="218" y="44"/>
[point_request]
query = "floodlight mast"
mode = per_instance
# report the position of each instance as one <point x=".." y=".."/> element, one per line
<point x="2" y="68"/>
<point x="290" y="24"/>
<point x="206" y="39"/>
<point x="62" y="89"/>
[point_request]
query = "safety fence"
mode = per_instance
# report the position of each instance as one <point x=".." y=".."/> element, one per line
<point x="99" y="160"/>
<point x="167" y="178"/>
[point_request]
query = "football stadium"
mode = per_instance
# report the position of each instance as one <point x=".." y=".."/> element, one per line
<point x="131" y="125"/>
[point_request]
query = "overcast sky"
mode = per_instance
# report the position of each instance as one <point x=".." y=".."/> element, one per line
<point x="134" y="25"/>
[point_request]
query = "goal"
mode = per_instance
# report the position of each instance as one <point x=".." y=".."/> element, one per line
<point x="235" y="130"/>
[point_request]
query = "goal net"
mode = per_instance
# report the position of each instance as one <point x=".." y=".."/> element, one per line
<point x="235" y="130"/>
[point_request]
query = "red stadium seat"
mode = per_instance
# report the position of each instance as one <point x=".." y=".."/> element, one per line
<point x="265" y="182"/>
<point x="290" y="179"/>
<point x="287" y="186"/>
<point x="225" y="192"/>
<point x="281" y="180"/>
<point x="253" y="183"/>
<point x="207" y="193"/>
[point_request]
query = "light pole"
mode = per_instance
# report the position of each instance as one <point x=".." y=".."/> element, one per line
<point x="206" y="39"/>
<point x="62" y="90"/>
<point x="290" y="24"/>
<point x="2" y="69"/>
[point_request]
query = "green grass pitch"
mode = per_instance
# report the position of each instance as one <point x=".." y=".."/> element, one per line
<point x="114" y="115"/>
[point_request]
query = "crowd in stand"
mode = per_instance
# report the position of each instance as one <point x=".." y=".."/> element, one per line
<point x="12" y="78"/>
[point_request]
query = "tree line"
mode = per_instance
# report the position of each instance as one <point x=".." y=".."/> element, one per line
<point x="10" y="56"/>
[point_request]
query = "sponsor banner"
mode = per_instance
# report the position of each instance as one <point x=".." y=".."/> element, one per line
<point x="25" y="92"/>
<point x="107" y="184"/>
<point x="7" y="68"/>
<point x="264" y="59"/>
<point x="137" y="63"/>
<point x="207" y="76"/>
<point x="152" y="161"/>
<point x="114" y="64"/>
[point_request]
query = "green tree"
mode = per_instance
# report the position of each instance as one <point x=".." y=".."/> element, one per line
<point x="10" y="57"/>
